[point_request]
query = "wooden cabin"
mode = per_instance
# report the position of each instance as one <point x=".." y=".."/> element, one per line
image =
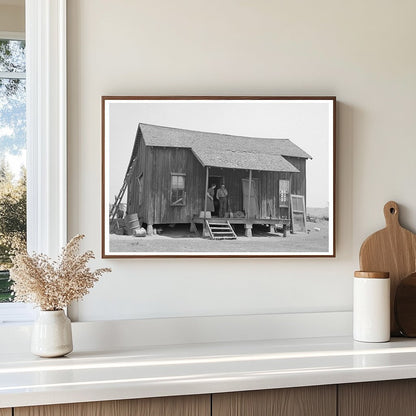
<point x="170" y="170"/>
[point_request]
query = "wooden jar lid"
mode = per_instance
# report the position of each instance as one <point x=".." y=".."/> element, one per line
<point x="372" y="275"/>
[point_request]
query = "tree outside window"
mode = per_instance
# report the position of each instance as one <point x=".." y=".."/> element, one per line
<point x="12" y="156"/>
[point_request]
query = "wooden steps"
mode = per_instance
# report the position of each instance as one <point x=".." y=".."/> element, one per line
<point x="220" y="230"/>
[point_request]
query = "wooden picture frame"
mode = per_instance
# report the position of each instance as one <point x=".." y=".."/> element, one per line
<point x="215" y="176"/>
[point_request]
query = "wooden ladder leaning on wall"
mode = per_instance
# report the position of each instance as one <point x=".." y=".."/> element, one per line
<point x="114" y="208"/>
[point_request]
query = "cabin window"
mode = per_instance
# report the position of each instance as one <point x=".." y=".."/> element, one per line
<point x="140" y="181"/>
<point x="284" y="191"/>
<point x="177" y="189"/>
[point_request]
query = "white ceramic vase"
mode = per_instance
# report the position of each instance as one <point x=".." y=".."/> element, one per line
<point x="52" y="334"/>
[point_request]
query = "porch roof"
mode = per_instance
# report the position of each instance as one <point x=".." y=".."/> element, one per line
<point x="243" y="160"/>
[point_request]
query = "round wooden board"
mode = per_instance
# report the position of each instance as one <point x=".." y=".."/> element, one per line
<point x="405" y="306"/>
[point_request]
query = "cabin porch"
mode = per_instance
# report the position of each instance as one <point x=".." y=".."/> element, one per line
<point x="281" y="223"/>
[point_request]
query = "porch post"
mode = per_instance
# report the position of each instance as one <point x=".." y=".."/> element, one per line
<point x="204" y="233"/>
<point x="248" y="226"/>
<point x="249" y="193"/>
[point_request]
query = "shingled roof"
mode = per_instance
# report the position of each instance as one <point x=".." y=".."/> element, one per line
<point x="243" y="160"/>
<point x="224" y="150"/>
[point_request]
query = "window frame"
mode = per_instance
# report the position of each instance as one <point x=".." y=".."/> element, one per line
<point x="183" y="203"/>
<point x="12" y="36"/>
<point x="17" y="312"/>
<point x="46" y="125"/>
<point x="46" y="121"/>
<point x="282" y="204"/>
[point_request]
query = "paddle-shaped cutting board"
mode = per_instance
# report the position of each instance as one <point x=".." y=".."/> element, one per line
<point x="392" y="250"/>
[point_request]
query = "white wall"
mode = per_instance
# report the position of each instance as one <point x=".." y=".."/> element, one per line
<point x="361" y="51"/>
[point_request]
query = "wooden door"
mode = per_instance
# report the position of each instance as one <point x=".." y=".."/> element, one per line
<point x="254" y="197"/>
<point x="217" y="181"/>
<point x="300" y="401"/>
<point x="298" y="213"/>
<point x="381" y="398"/>
<point x="160" y="406"/>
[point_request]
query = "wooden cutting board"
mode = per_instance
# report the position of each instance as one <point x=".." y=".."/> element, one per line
<point x="392" y="250"/>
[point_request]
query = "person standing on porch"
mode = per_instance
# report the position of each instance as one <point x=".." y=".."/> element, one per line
<point x="210" y="196"/>
<point x="222" y="195"/>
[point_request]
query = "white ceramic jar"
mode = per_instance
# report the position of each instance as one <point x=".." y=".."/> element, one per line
<point x="371" y="308"/>
<point x="52" y="334"/>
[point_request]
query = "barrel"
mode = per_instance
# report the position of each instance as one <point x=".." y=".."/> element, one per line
<point x="131" y="223"/>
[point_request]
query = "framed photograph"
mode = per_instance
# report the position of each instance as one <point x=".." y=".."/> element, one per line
<point x="218" y="176"/>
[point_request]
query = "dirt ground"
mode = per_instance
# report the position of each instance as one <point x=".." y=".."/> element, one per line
<point x="178" y="239"/>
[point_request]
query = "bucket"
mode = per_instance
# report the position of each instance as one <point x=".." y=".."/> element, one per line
<point x="207" y="214"/>
<point x="132" y="223"/>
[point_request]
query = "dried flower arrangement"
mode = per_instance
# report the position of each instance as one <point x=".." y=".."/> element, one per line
<point x="52" y="285"/>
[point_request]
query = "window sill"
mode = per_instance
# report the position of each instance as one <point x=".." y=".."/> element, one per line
<point x="16" y="313"/>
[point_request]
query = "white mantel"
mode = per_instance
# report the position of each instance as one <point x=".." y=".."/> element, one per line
<point x="151" y="371"/>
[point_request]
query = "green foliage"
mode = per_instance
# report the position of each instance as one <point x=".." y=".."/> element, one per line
<point x="6" y="294"/>
<point x="12" y="55"/>
<point x="12" y="214"/>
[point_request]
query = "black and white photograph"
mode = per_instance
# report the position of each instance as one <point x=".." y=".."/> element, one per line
<point x="218" y="176"/>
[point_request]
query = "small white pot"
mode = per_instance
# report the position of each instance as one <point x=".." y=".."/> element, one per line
<point x="52" y="334"/>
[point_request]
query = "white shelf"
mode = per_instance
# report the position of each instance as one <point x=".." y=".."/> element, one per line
<point x="148" y="371"/>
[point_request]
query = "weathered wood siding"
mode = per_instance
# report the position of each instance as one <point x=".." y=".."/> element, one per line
<point x="269" y="204"/>
<point x="163" y="161"/>
<point x="298" y="180"/>
<point x="133" y="196"/>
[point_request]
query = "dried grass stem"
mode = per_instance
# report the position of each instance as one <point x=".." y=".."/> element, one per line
<point x="53" y="285"/>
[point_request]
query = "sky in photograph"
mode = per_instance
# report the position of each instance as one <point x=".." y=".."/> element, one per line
<point x="305" y="123"/>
